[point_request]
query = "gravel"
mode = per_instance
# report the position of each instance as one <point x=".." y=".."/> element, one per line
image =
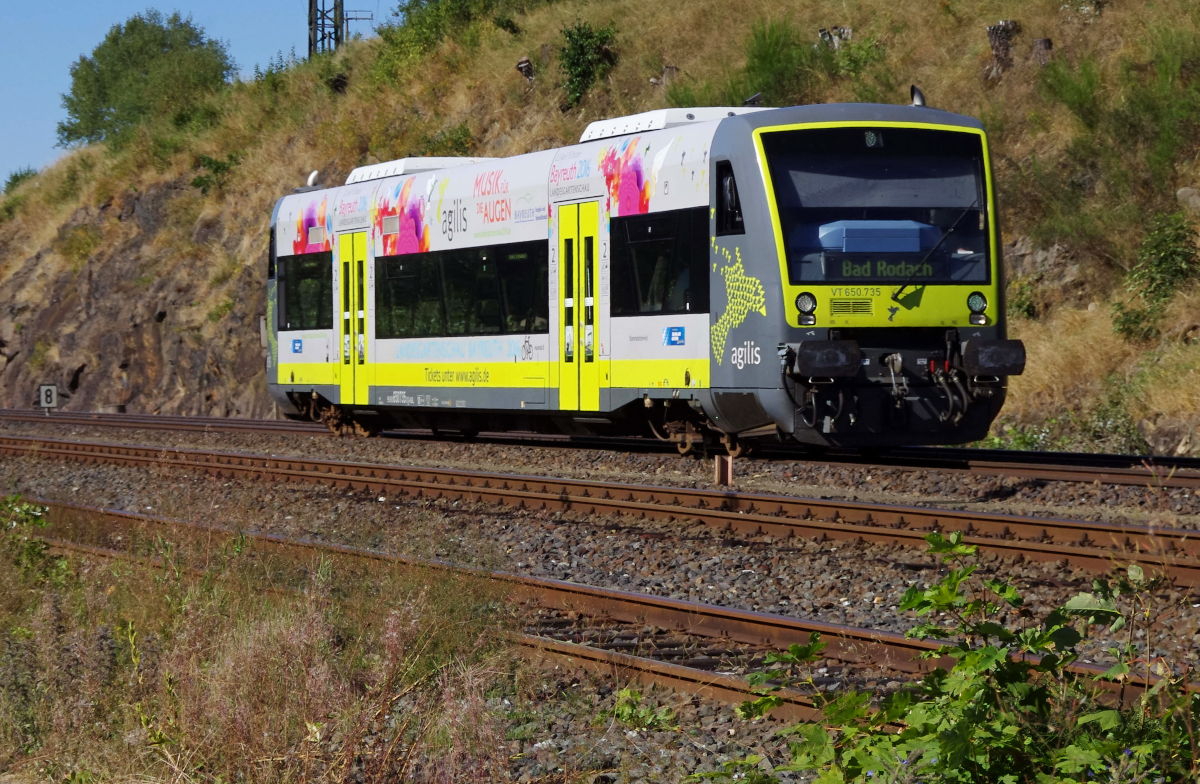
<point x="1170" y="507"/>
<point x="838" y="582"/>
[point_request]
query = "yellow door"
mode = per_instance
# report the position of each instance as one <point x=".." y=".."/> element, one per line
<point x="579" y="370"/>
<point x="589" y="263"/>
<point x="568" y="253"/>
<point x="352" y="257"/>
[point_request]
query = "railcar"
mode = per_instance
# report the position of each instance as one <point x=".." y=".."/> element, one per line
<point x="829" y="275"/>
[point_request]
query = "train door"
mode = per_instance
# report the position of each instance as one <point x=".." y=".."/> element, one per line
<point x="579" y="371"/>
<point x="352" y="258"/>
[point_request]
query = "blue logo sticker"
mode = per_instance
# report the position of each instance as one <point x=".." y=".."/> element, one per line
<point x="673" y="336"/>
<point x="297" y="346"/>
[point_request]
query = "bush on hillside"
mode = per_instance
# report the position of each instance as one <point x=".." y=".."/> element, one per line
<point x="151" y="66"/>
<point x="787" y="67"/>
<point x="17" y="177"/>
<point x="587" y="56"/>
<point x="1168" y="259"/>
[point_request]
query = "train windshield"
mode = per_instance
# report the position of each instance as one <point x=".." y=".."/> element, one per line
<point x="881" y="205"/>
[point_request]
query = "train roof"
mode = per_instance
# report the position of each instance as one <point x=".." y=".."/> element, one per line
<point x="854" y="112"/>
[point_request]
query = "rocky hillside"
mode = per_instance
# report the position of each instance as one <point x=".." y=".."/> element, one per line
<point x="132" y="276"/>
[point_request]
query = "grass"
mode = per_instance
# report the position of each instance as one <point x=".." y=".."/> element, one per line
<point x="224" y="662"/>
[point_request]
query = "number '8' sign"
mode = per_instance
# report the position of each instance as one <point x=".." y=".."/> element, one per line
<point x="48" y="396"/>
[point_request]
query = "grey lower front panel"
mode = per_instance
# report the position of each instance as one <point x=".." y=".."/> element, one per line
<point x="476" y="398"/>
<point x="330" y="392"/>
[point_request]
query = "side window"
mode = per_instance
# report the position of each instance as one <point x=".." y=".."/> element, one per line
<point x="472" y="299"/>
<point x="660" y="263"/>
<point x="474" y="291"/>
<point x="729" y="206"/>
<point x="306" y="291"/>
<point x="408" y="298"/>
<point x="525" y="287"/>
<point x="271" y="254"/>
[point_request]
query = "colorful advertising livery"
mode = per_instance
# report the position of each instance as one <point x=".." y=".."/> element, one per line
<point x="695" y="274"/>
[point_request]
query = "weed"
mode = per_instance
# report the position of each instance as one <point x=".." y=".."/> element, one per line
<point x="220" y="311"/>
<point x="1167" y="259"/>
<point x="456" y="141"/>
<point x="218" y="171"/>
<point x="1020" y="297"/>
<point x="78" y="243"/>
<point x="39" y="355"/>
<point x="630" y="712"/>
<point x="18" y="176"/>
<point x="1076" y="88"/>
<point x="1009" y="709"/>
<point x="587" y="56"/>
<point x="11" y="206"/>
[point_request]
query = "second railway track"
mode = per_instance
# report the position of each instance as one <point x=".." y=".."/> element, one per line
<point x="1091" y="545"/>
<point x="1135" y="470"/>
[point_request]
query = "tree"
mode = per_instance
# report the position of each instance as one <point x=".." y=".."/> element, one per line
<point x="150" y="66"/>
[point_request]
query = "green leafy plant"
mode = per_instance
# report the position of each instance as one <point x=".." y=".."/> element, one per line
<point x="630" y="712"/>
<point x="217" y="172"/>
<point x="29" y="553"/>
<point x="18" y="176"/>
<point x="1167" y="260"/>
<point x="1010" y="709"/>
<point x="586" y="57"/>
<point x="220" y="311"/>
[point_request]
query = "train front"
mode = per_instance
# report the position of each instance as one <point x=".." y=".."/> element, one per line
<point x="876" y="227"/>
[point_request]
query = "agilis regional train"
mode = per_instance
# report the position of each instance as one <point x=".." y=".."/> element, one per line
<point x="828" y="274"/>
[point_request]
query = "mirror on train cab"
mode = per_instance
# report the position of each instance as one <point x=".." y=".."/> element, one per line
<point x="729" y="208"/>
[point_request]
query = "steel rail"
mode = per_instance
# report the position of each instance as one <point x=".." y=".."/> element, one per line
<point x="1095" y="546"/>
<point x="848" y="644"/>
<point x="1137" y="470"/>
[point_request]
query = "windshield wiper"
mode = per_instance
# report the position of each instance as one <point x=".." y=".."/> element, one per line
<point x="896" y="294"/>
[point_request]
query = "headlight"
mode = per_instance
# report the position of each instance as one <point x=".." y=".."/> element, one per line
<point x="976" y="303"/>
<point x="806" y="303"/>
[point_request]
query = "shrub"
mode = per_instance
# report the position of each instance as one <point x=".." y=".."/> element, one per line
<point x="77" y="244"/>
<point x="17" y="177"/>
<point x="1167" y="259"/>
<point x="456" y="141"/>
<point x="150" y="66"/>
<point x="588" y="55"/>
<point x="1077" y="89"/>
<point x="220" y="311"/>
<point x="1009" y="710"/>
<point x="786" y="67"/>
<point x="218" y="172"/>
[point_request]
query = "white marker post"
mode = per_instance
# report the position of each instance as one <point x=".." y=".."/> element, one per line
<point x="48" y="397"/>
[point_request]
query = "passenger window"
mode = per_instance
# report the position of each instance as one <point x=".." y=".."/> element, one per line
<point x="474" y="291"/>
<point x="305" y="291"/>
<point x="271" y="254"/>
<point x="660" y="263"/>
<point x="472" y="302"/>
<point x="525" y="289"/>
<point x="408" y="299"/>
<point x="729" y="206"/>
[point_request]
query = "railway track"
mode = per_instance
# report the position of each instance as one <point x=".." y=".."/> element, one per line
<point x="1159" y="472"/>
<point x="1090" y="545"/>
<point x="745" y="634"/>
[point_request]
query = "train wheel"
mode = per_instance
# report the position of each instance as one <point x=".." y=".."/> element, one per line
<point x="365" y="430"/>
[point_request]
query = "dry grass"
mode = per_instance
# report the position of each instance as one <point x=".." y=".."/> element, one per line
<point x="261" y="669"/>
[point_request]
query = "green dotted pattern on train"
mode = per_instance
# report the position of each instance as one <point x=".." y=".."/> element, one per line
<point x="743" y="294"/>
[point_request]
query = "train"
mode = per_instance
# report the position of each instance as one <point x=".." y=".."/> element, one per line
<point x="827" y="275"/>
